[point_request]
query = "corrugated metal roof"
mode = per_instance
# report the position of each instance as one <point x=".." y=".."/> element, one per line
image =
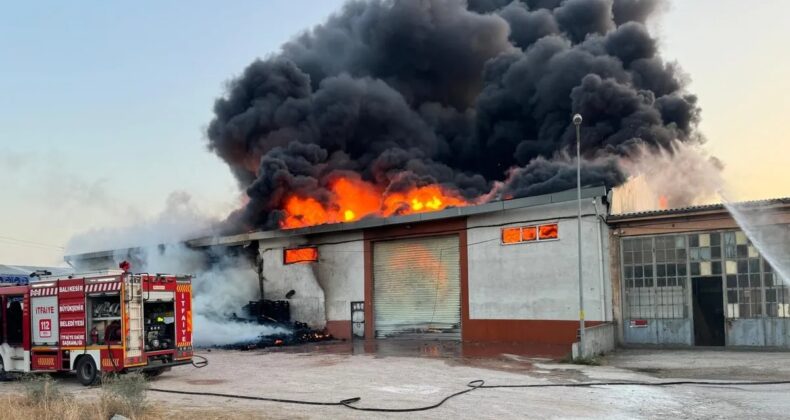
<point x="495" y="206"/>
<point x="700" y="208"/>
<point x="491" y="207"/>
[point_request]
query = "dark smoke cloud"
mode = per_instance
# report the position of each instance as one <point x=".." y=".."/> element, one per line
<point x="471" y="95"/>
<point x="542" y="176"/>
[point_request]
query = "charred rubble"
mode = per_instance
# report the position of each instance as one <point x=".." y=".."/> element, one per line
<point x="275" y="314"/>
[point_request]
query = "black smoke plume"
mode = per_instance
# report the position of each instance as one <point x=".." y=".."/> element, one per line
<point x="476" y="96"/>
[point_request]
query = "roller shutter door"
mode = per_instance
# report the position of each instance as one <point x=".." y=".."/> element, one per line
<point x="417" y="288"/>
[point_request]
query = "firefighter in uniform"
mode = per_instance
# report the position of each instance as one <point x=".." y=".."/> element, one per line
<point x="112" y="334"/>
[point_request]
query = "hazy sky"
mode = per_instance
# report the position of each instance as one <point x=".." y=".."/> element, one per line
<point x="103" y="104"/>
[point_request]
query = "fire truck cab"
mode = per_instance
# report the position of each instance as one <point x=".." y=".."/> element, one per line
<point x="109" y="321"/>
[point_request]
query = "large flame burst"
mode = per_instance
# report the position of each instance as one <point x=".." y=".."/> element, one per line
<point x="353" y="199"/>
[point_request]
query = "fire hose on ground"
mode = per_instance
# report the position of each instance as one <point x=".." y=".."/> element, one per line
<point x="471" y="386"/>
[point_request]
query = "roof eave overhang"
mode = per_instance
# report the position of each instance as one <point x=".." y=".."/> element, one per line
<point x="689" y="213"/>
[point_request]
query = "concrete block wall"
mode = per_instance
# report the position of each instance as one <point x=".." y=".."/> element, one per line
<point x="341" y="273"/>
<point x="323" y="290"/>
<point x="538" y="280"/>
<point x="308" y="301"/>
<point x="598" y="340"/>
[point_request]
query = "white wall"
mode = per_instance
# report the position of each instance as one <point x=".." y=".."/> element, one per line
<point x="341" y="273"/>
<point x="324" y="290"/>
<point x="307" y="304"/>
<point x="598" y="340"/>
<point x="537" y="280"/>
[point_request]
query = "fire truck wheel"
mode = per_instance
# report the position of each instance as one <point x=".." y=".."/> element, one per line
<point x="87" y="373"/>
<point x="2" y="371"/>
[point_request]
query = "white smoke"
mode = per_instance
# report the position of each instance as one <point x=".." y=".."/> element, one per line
<point x="221" y="282"/>
<point x="220" y="288"/>
<point x="179" y="221"/>
<point x="686" y="176"/>
<point x="218" y="294"/>
<point x="765" y="230"/>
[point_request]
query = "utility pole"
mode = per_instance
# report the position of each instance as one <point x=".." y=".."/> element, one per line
<point x="577" y="121"/>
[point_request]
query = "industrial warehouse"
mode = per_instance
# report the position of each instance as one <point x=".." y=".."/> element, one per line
<point x="506" y="272"/>
<point x="366" y="208"/>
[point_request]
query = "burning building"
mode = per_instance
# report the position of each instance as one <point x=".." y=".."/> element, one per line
<point x="408" y="173"/>
<point x="501" y="271"/>
<point x="506" y="272"/>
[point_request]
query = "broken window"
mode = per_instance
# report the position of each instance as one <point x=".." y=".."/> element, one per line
<point x="656" y="272"/>
<point x="655" y="276"/>
<point x="529" y="233"/>
<point x="671" y="275"/>
<point x="300" y="255"/>
<point x="514" y="235"/>
<point x="638" y="277"/>
<point x="777" y="293"/>
<point x="743" y="277"/>
<point x="705" y="254"/>
<point x="550" y="231"/>
<point x="511" y="235"/>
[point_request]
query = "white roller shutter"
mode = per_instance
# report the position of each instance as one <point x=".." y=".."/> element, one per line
<point x="417" y="287"/>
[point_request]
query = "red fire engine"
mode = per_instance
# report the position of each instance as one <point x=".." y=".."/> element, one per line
<point x="109" y="321"/>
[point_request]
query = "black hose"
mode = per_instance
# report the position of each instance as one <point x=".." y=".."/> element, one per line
<point x="476" y="384"/>
<point x="249" y="397"/>
<point x="472" y="386"/>
<point x="200" y="364"/>
<point x="668" y="383"/>
<point x="109" y="353"/>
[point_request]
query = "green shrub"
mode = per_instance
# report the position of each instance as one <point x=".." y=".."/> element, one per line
<point x="41" y="390"/>
<point x="125" y="394"/>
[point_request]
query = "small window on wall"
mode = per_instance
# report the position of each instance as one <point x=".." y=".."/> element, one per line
<point x="549" y="231"/>
<point x="529" y="233"/>
<point x="511" y="235"/>
<point x="519" y="234"/>
<point x="300" y="255"/>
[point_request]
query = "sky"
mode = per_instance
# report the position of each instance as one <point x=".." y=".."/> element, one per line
<point x="103" y="105"/>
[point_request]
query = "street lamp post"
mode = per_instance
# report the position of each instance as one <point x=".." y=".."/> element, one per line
<point x="577" y="121"/>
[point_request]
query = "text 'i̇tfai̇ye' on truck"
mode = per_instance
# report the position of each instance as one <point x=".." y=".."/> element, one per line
<point x="99" y="322"/>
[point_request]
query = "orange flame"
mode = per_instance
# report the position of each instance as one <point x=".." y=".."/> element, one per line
<point x="663" y="202"/>
<point x="353" y="199"/>
<point x="301" y="255"/>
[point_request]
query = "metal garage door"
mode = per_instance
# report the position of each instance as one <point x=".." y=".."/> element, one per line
<point x="416" y="287"/>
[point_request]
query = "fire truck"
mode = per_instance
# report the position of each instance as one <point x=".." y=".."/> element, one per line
<point x="94" y="323"/>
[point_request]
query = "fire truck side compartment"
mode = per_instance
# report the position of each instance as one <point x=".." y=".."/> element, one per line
<point x="103" y="310"/>
<point x="159" y="325"/>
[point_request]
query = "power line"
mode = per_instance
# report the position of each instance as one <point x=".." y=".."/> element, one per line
<point x="23" y="242"/>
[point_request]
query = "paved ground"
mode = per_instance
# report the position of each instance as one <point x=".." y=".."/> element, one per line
<point x="404" y="378"/>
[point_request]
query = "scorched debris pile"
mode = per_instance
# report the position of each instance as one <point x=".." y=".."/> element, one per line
<point x="400" y="106"/>
<point x="277" y="314"/>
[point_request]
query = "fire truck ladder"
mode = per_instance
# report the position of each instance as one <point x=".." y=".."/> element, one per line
<point x="133" y="300"/>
